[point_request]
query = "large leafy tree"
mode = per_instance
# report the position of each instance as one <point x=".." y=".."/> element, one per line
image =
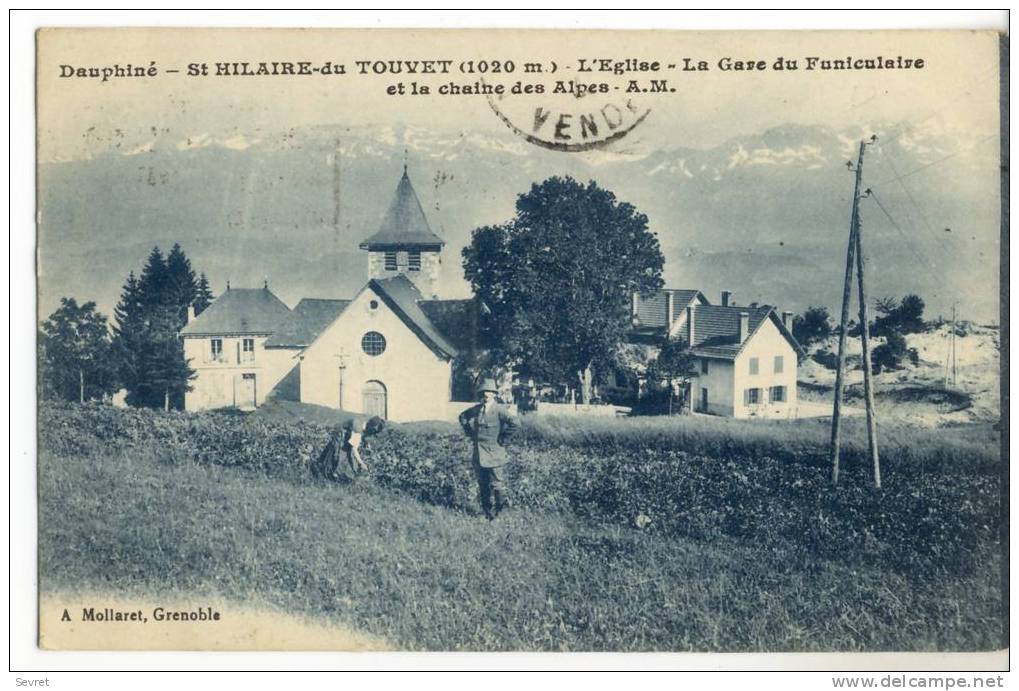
<point x="558" y="279"/>
<point x="74" y="348"/>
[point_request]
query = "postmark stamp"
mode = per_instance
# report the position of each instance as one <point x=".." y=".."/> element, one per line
<point x="587" y="121"/>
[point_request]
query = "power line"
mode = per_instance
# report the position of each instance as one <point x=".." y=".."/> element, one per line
<point x="898" y="176"/>
<point x="916" y="206"/>
<point x="924" y="259"/>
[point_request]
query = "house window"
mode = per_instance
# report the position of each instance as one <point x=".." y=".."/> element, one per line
<point x="248" y="350"/>
<point x="704" y="365"/>
<point x="779" y="364"/>
<point x="373" y="343"/>
<point x="414" y="260"/>
<point x="390" y="261"/>
<point x="778" y="394"/>
<point x="217" y="349"/>
<point x="751" y="396"/>
<point x="754" y="365"/>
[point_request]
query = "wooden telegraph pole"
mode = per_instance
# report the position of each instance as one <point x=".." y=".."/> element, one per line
<point x="854" y="252"/>
<point x="868" y="387"/>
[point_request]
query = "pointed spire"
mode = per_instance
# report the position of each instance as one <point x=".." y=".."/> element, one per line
<point x="404" y="224"/>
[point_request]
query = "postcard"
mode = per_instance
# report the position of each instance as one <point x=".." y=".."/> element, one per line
<point x="522" y="340"/>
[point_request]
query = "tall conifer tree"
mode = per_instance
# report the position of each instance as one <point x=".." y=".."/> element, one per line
<point x="203" y="295"/>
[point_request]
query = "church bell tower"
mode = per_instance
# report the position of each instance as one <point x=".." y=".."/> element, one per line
<point x="405" y="244"/>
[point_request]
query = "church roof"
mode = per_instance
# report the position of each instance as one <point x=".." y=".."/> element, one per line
<point x="405" y="300"/>
<point x="455" y="319"/>
<point x="404" y="224"/>
<point x="306" y="322"/>
<point x="239" y="311"/>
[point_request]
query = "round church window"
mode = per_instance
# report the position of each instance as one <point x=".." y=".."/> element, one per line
<point x="373" y="343"/>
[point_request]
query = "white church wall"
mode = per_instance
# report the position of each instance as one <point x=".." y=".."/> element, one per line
<point x="416" y="380"/>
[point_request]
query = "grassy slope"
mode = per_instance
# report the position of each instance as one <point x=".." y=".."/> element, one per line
<point x="430" y="578"/>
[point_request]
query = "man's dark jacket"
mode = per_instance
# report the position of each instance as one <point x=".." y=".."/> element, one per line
<point x="489" y="431"/>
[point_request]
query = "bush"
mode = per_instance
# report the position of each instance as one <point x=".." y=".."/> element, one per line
<point x="693" y="477"/>
<point x="891" y="353"/>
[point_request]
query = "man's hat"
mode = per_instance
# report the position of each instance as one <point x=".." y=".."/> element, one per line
<point x="487" y="384"/>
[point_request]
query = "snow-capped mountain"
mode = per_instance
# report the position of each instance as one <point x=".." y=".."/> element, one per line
<point x="765" y="215"/>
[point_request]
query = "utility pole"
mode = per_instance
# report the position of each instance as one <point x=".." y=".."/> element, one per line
<point x="868" y="386"/>
<point x="836" y="417"/>
<point x="854" y="252"/>
<point x="955" y="382"/>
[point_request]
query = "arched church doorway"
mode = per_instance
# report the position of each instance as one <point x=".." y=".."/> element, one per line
<point x="374" y="399"/>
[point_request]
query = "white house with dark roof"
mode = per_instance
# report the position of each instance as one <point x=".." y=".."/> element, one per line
<point x="392" y="350"/>
<point x="226" y="347"/>
<point x="747" y="355"/>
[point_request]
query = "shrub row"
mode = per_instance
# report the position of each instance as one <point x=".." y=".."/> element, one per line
<point x="923" y="523"/>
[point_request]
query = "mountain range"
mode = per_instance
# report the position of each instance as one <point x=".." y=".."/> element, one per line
<point x="764" y="214"/>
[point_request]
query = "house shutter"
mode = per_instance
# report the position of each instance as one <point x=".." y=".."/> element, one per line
<point x="238" y="351"/>
<point x="746" y="396"/>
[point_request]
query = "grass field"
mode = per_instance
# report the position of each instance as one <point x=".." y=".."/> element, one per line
<point x="142" y="518"/>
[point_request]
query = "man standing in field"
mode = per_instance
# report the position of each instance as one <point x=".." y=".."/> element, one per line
<point x="489" y="425"/>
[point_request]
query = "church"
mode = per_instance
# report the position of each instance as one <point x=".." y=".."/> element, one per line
<point x="395" y="349"/>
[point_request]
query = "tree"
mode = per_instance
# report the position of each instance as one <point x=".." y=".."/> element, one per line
<point x="558" y="279"/>
<point x="129" y="335"/>
<point x="151" y="312"/>
<point x="902" y="317"/>
<point x="154" y="281"/>
<point x="911" y="314"/>
<point x="164" y="372"/>
<point x="812" y="326"/>
<point x="181" y="286"/>
<point x="203" y="295"/>
<point x="890" y="354"/>
<point x="675" y="363"/>
<point x="74" y="345"/>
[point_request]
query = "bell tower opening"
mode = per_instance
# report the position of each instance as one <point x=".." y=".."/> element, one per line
<point x="405" y="244"/>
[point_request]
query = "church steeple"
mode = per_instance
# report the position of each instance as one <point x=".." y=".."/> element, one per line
<point x="404" y="243"/>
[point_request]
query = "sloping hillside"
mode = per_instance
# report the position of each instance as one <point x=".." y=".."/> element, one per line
<point x="917" y="394"/>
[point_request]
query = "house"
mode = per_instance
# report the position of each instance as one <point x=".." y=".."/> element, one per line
<point x="225" y="345"/>
<point x="394" y="350"/>
<point x="746" y="355"/>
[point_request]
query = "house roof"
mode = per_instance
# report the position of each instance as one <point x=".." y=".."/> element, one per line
<point x="716" y="329"/>
<point x="405" y="300"/>
<point x="239" y="311"/>
<point x="306" y="322"/>
<point x="404" y="224"/>
<point x="652" y="310"/>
